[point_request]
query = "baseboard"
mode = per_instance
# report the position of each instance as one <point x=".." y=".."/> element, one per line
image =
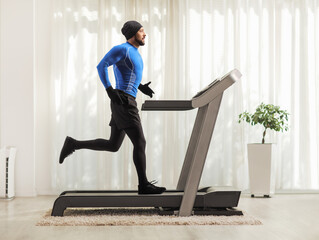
<point x="289" y="191"/>
<point x="25" y="193"/>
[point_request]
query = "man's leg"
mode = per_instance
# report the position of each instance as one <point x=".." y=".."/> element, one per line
<point x="111" y="145"/>
<point x="100" y="144"/>
<point x="136" y="136"/>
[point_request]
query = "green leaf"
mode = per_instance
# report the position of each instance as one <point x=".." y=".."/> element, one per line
<point x="267" y="115"/>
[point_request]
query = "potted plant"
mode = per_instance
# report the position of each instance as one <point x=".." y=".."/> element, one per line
<point x="260" y="155"/>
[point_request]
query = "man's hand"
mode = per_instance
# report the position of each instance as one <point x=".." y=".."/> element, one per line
<point x="144" y="88"/>
<point x="114" y="95"/>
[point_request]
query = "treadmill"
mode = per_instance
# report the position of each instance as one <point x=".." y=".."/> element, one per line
<point x="186" y="199"/>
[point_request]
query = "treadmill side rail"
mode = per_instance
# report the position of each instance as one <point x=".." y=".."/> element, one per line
<point x="222" y="199"/>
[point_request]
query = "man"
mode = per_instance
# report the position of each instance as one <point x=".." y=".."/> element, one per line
<point x="128" y="68"/>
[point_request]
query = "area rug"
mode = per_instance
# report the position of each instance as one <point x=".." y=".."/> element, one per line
<point x="131" y="216"/>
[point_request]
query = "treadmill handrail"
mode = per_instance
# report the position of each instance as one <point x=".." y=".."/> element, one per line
<point x="167" y="105"/>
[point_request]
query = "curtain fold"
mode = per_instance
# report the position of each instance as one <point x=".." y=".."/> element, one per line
<point x="189" y="43"/>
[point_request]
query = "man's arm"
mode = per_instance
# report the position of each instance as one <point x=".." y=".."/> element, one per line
<point x="112" y="57"/>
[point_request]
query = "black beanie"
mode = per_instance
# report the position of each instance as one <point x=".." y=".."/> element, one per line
<point x="130" y="28"/>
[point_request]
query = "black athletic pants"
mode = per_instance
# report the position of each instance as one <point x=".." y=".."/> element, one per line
<point x="136" y="135"/>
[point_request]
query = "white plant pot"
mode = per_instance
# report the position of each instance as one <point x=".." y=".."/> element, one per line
<point x="261" y="169"/>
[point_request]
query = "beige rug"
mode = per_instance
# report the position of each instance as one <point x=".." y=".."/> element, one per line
<point x="131" y="216"/>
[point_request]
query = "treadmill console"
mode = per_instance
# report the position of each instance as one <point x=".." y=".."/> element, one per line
<point x="207" y="88"/>
<point x="215" y="89"/>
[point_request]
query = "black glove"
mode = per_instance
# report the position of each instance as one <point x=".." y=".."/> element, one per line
<point x="144" y="88"/>
<point x="114" y="95"/>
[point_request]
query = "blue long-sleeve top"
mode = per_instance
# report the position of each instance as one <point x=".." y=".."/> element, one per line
<point x="127" y="66"/>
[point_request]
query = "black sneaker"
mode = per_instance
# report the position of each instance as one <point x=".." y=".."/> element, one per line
<point x="150" y="188"/>
<point x="67" y="149"/>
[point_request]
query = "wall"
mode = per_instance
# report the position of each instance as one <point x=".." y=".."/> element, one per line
<point x="17" y="88"/>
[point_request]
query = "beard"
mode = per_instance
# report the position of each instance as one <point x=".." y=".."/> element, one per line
<point x="139" y="41"/>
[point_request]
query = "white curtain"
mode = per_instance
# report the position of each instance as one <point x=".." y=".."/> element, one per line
<point x="189" y="43"/>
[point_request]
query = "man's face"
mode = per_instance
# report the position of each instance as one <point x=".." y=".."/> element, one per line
<point x="140" y="37"/>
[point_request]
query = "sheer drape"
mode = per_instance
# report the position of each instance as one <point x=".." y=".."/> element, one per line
<point x="189" y="43"/>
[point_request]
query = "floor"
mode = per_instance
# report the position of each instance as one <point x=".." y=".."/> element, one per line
<point x="284" y="216"/>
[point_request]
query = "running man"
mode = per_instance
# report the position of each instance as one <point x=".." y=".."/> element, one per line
<point x="128" y="68"/>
